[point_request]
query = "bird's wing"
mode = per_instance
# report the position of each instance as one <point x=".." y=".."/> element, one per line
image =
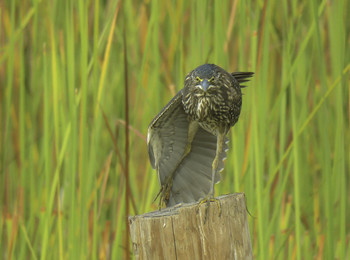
<point x="192" y="178"/>
<point x="162" y="132"/>
<point x="167" y="139"/>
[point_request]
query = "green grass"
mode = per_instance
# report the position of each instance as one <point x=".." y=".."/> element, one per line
<point x="63" y="149"/>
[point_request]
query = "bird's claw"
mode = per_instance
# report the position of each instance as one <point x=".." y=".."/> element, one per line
<point x="207" y="201"/>
<point x="164" y="194"/>
<point x="160" y="200"/>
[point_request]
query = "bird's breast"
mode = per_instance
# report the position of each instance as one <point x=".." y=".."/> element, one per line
<point x="202" y="108"/>
<point x="209" y="110"/>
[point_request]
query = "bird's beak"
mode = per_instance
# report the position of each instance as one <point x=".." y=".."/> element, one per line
<point x="205" y="84"/>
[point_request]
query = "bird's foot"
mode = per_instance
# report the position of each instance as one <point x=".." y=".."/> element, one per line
<point x="160" y="200"/>
<point x="207" y="200"/>
<point x="164" y="193"/>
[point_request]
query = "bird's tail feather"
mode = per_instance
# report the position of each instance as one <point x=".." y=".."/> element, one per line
<point x="242" y="77"/>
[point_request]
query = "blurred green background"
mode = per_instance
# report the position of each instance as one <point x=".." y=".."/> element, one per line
<point x="70" y="173"/>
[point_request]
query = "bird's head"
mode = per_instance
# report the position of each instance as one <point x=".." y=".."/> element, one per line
<point x="205" y="87"/>
<point x="203" y="79"/>
<point x="207" y="81"/>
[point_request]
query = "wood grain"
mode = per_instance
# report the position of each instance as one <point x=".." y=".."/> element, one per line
<point x="181" y="232"/>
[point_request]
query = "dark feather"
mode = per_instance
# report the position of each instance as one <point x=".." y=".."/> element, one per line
<point x="242" y="77"/>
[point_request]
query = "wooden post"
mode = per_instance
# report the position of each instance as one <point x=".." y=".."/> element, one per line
<point x="181" y="232"/>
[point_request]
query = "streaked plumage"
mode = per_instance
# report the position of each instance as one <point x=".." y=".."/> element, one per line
<point x="205" y="109"/>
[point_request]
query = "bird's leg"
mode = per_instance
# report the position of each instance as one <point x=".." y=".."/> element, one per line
<point x="168" y="183"/>
<point x="210" y="197"/>
<point x="219" y="144"/>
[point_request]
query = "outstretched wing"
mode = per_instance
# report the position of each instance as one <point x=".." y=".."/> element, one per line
<point x="167" y="139"/>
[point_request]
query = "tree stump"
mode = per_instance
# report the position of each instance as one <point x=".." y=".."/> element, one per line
<point x="181" y="232"/>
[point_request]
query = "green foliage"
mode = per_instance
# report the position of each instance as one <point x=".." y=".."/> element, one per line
<point x="63" y="189"/>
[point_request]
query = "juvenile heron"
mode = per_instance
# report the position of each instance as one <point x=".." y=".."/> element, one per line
<point x="187" y="141"/>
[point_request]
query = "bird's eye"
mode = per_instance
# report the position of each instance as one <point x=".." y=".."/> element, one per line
<point x="198" y="79"/>
<point x="211" y="79"/>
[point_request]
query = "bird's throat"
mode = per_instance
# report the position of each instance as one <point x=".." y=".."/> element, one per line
<point x="202" y="107"/>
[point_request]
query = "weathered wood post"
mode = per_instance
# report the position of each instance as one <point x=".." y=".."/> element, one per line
<point x="180" y="232"/>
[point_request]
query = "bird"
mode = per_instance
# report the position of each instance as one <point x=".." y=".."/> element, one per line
<point x="186" y="140"/>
